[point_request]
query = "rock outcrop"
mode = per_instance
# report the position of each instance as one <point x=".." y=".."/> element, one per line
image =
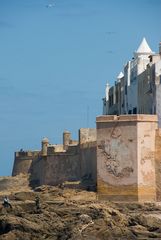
<point x="76" y="214"/>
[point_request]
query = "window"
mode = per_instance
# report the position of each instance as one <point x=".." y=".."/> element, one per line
<point x="129" y="112"/>
<point x="125" y="89"/>
<point x="134" y="110"/>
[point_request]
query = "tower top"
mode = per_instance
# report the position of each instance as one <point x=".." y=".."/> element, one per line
<point x="45" y="140"/>
<point x="144" y="48"/>
<point x="107" y="84"/>
<point x="120" y="76"/>
<point x="107" y="91"/>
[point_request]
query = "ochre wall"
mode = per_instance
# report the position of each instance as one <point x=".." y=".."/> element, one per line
<point x="87" y="153"/>
<point x="61" y="167"/>
<point x="88" y="162"/>
<point x="146" y="132"/>
<point x="116" y="159"/>
<point x="121" y="150"/>
<point x="23" y="161"/>
<point x="158" y="164"/>
<point x="55" y="169"/>
<point x="37" y="171"/>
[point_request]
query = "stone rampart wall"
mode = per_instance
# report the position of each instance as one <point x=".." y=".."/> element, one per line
<point x="55" y="169"/>
<point x="23" y="161"/>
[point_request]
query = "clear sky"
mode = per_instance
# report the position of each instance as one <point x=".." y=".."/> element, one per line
<point x="55" y="59"/>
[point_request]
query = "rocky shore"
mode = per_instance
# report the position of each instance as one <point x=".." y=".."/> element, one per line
<point x="76" y="215"/>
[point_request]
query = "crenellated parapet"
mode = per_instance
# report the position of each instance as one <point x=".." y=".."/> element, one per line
<point x="26" y="154"/>
<point x="23" y="161"/>
<point x="56" y="163"/>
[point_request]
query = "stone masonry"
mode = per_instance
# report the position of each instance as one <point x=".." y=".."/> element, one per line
<point x="124" y="163"/>
<point x="56" y="163"/>
<point x="126" y="154"/>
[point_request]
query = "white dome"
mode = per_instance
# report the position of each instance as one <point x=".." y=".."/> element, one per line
<point x="144" y="48"/>
<point x="45" y="140"/>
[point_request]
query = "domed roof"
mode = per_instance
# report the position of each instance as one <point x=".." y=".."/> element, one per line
<point x="45" y="139"/>
<point x="65" y="131"/>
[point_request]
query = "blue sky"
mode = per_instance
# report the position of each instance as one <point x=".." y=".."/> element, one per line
<point x="55" y="62"/>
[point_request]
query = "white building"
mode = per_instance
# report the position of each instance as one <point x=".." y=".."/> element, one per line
<point x="138" y="88"/>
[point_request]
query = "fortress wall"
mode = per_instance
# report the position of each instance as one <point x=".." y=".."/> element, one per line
<point x="37" y="171"/>
<point x="116" y="159"/>
<point x="158" y="164"/>
<point x="87" y="151"/>
<point x="88" y="162"/>
<point x="54" y="148"/>
<point x="146" y="133"/>
<point x="125" y="157"/>
<point x="158" y="102"/>
<point x="59" y="168"/>
<point x="87" y="135"/>
<point x="23" y="161"/>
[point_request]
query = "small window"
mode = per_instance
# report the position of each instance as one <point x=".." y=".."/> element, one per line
<point x="125" y="89"/>
<point x="134" y="110"/>
<point x="129" y="112"/>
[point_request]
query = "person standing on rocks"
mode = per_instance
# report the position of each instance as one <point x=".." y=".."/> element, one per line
<point x="37" y="203"/>
<point x="6" y="202"/>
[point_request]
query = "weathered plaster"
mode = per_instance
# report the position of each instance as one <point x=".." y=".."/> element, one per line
<point x="125" y="157"/>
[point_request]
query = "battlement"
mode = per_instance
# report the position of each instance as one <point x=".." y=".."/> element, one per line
<point x="28" y="154"/>
<point x="56" y="163"/>
<point x="52" y="149"/>
<point x="59" y="148"/>
<point x="87" y="135"/>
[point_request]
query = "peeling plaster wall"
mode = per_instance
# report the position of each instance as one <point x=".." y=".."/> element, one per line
<point x="116" y="151"/>
<point x="146" y="160"/>
<point x="158" y="164"/>
<point x="120" y="174"/>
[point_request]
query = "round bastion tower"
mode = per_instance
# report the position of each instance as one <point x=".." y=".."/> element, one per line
<point x="66" y="139"/>
<point x="44" y="146"/>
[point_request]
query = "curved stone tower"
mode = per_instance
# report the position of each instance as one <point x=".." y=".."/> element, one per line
<point x="44" y="145"/>
<point x="23" y="161"/>
<point x="66" y="139"/>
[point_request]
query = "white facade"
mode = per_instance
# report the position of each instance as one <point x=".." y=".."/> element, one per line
<point x="158" y="89"/>
<point x="134" y="68"/>
<point x="138" y="88"/>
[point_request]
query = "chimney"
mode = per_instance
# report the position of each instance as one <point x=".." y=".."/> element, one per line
<point x="160" y="48"/>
